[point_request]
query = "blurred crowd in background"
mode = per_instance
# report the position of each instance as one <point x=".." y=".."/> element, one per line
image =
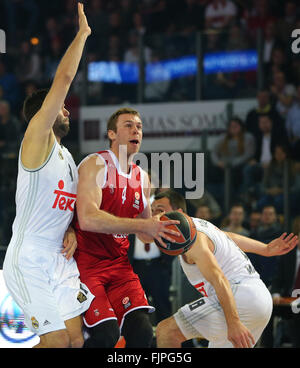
<point x="259" y="149"/>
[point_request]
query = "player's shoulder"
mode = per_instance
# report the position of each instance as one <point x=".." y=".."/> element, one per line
<point x="93" y="161"/>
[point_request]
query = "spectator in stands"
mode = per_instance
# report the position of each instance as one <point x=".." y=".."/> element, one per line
<point x="52" y="59"/>
<point x="157" y="16"/>
<point x="131" y="55"/>
<point x="256" y="17"/>
<point x="68" y="23"/>
<point x="156" y="91"/>
<point x="293" y="125"/>
<point x="233" y="149"/>
<point x="222" y="85"/>
<point x="98" y="20"/>
<point x="52" y="31"/>
<point x="264" y="107"/>
<point x="9" y="85"/>
<point x="286" y="24"/>
<point x="9" y="130"/>
<point x="15" y="12"/>
<point x="126" y="12"/>
<point x="287" y="279"/>
<point x="220" y="14"/>
<point x="115" y="24"/>
<point x="278" y="63"/>
<point x="191" y="18"/>
<point x="270" y="40"/>
<point x="266" y="140"/>
<point x="203" y="212"/>
<point x="212" y="41"/>
<point x="273" y="179"/>
<point x="236" y="219"/>
<point x="138" y="24"/>
<point x="29" y="64"/>
<point x="282" y="93"/>
<point x="215" y="85"/>
<point x="254" y="221"/>
<point x="115" y="49"/>
<point x="269" y="229"/>
<point x="207" y="200"/>
<point x="236" y="39"/>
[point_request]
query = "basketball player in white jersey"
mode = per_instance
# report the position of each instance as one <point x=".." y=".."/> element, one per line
<point x="39" y="271"/>
<point x="235" y="305"/>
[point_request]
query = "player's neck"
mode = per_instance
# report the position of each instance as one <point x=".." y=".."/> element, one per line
<point x="123" y="159"/>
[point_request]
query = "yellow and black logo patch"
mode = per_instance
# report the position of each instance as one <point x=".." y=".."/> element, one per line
<point x="81" y="297"/>
<point x="35" y="323"/>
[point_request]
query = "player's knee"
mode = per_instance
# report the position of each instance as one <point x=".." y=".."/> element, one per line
<point x="63" y="341"/>
<point x="166" y="331"/>
<point x="77" y="341"/>
<point x="104" y="335"/>
<point x="137" y="330"/>
<point x="56" y="339"/>
<point x="162" y="328"/>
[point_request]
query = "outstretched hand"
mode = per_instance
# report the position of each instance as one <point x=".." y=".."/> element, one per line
<point x="160" y="230"/>
<point x="282" y="245"/>
<point x="83" y="23"/>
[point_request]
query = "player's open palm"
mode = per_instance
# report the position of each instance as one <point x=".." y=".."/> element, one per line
<point x="240" y="336"/>
<point x="83" y="23"/>
<point x="160" y="230"/>
<point x="282" y="245"/>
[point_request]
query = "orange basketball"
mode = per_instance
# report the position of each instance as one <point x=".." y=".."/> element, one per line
<point x="187" y="230"/>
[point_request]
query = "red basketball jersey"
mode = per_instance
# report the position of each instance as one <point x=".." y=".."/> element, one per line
<point x="122" y="196"/>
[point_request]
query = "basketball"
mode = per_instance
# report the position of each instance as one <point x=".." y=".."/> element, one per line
<point x="187" y="230"/>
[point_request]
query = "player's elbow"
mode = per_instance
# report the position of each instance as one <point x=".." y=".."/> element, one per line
<point x="84" y="222"/>
<point x="219" y="281"/>
<point x="63" y="77"/>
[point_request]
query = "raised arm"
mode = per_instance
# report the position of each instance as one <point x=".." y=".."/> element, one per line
<point x="39" y="135"/>
<point x="201" y="254"/>
<point x="277" y="247"/>
<point x="92" y="218"/>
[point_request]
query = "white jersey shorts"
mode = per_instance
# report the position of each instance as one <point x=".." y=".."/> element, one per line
<point x="45" y="285"/>
<point x="205" y="317"/>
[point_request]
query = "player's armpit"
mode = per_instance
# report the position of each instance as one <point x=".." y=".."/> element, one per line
<point x="36" y="148"/>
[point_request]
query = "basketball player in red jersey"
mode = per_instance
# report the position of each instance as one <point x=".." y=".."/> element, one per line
<point x="112" y="202"/>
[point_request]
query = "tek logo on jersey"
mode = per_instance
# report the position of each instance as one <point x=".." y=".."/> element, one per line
<point x="200" y="288"/>
<point x="64" y="200"/>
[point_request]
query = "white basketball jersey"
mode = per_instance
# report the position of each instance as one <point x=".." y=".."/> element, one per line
<point x="45" y="197"/>
<point x="232" y="260"/>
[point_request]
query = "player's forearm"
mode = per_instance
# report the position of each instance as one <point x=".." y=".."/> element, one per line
<point x="248" y="245"/>
<point x="69" y="63"/>
<point x="104" y="222"/>
<point x="225" y="296"/>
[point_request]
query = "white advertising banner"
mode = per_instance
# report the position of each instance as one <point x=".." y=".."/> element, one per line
<point x="167" y="127"/>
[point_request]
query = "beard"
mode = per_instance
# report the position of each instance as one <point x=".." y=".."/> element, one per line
<point x="61" y="127"/>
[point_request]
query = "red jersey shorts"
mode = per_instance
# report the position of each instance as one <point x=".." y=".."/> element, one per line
<point x="117" y="290"/>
